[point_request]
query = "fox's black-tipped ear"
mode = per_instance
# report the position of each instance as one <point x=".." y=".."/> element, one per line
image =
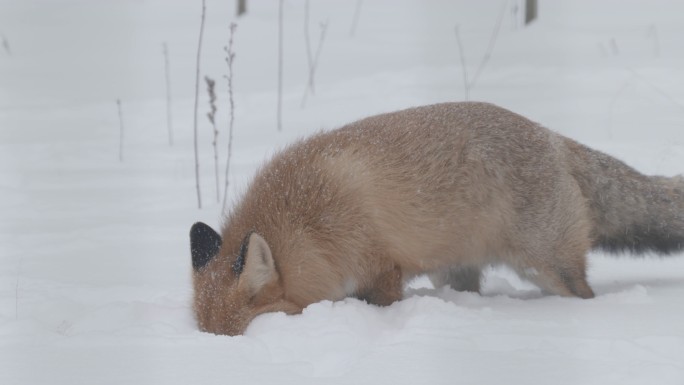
<point x="204" y="244"/>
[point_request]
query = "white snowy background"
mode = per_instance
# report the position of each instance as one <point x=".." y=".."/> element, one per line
<point x="95" y="275"/>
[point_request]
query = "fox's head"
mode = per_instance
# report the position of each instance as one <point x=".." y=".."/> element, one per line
<point x="234" y="280"/>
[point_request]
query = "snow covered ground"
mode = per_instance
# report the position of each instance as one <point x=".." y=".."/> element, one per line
<point x="94" y="254"/>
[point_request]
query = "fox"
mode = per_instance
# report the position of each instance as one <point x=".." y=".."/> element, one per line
<point x="444" y="190"/>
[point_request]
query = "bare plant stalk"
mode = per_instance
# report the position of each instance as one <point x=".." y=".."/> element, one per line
<point x="280" y="65"/>
<point x="312" y="59"/>
<point x="469" y="84"/>
<point x="314" y="65"/>
<point x="515" y="15"/>
<point x="307" y="38"/>
<point x="230" y="56"/>
<point x="169" y="120"/>
<point x="355" y="21"/>
<point x="490" y="46"/>
<point x="197" y="76"/>
<point x="211" y="84"/>
<point x="657" y="89"/>
<point x="464" y="69"/>
<point x="121" y="130"/>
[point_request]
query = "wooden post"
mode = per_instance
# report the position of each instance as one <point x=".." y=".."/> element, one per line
<point x="530" y="11"/>
<point x="241" y="7"/>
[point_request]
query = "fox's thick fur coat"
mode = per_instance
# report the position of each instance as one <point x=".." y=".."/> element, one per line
<point x="446" y="190"/>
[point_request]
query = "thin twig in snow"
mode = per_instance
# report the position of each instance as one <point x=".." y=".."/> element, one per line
<point x="490" y="46"/>
<point x="307" y="38"/>
<point x="197" y="77"/>
<point x="230" y="56"/>
<point x="657" y="89"/>
<point x="280" y="66"/>
<point x="469" y="84"/>
<point x="312" y="59"/>
<point x="314" y="66"/>
<point x="211" y="115"/>
<point x="643" y="80"/>
<point x="464" y="68"/>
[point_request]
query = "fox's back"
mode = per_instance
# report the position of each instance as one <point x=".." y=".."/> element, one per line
<point x="419" y="179"/>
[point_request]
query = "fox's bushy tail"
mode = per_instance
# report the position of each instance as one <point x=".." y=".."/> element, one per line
<point x="630" y="211"/>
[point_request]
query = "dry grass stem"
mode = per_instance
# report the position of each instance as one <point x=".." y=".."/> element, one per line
<point x="197" y="81"/>
<point x="211" y="115"/>
<point x="230" y="56"/>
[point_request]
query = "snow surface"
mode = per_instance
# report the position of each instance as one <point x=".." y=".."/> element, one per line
<point x="94" y="255"/>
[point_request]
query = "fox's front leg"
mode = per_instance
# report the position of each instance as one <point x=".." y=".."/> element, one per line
<point x="387" y="288"/>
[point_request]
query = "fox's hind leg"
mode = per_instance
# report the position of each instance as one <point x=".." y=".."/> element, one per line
<point x="387" y="288"/>
<point x="560" y="268"/>
<point x="553" y="241"/>
<point x="561" y="280"/>
<point x="458" y="278"/>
